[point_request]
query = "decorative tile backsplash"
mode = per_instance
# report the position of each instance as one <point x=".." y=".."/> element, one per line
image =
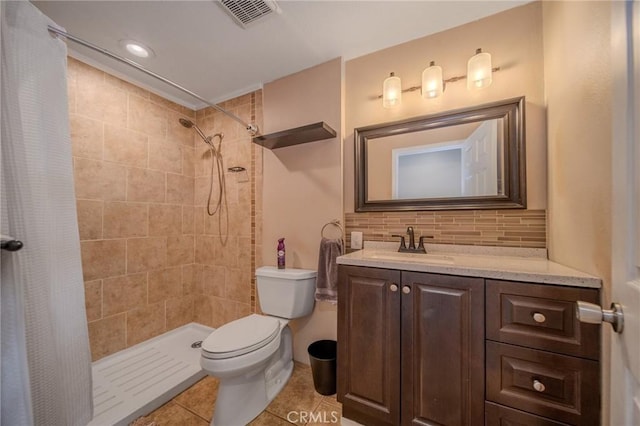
<point x="512" y="228"/>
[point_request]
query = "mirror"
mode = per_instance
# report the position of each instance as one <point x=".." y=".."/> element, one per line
<point x="464" y="159"/>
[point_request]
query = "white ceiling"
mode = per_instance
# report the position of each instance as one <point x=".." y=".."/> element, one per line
<point x="200" y="47"/>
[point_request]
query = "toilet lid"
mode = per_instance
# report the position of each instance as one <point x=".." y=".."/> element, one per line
<point x="241" y="336"/>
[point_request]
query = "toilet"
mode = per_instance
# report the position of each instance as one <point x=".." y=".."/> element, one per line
<point x="253" y="356"/>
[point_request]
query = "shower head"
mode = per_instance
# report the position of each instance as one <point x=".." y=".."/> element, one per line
<point x="190" y="124"/>
<point x="186" y="123"/>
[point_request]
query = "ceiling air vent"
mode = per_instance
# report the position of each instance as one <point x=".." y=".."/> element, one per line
<point x="248" y="12"/>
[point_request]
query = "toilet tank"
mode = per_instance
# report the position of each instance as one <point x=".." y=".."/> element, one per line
<point x="286" y="293"/>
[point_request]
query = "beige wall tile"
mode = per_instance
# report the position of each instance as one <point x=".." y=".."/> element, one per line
<point x="213" y="281"/>
<point x="147" y="117"/>
<point x="124" y="293"/>
<point x="107" y="336"/>
<point x="187" y="220"/>
<point x="201" y="191"/>
<point x="189" y="279"/>
<point x="94" y="101"/>
<point x="172" y="106"/>
<point x="125" y="220"/>
<point x="146" y="185"/>
<point x="222" y="311"/>
<point x="205" y="250"/>
<point x="145" y="323"/>
<point x="179" y="189"/>
<point x="93" y="299"/>
<point x="165" y="219"/>
<point x="165" y="156"/>
<point x="144" y="254"/>
<point x="89" y="219"/>
<point x="180" y="250"/>
<point x="203" y="311"/>
<point x="238" y="285"/>
<point x="125" y="146"/>
<point x="198" y="220"/>
<point x="99" y="180"/>
<point x="228" y="255"/>
<point x="240" y="220"/>
<point x="165" y="284"/>
<point x="188" y="161"/>
<point x="115" y="82"/>
<point x="86" y="137"/>
<point x="179" y="312"/>
<point x="102" y="258"/>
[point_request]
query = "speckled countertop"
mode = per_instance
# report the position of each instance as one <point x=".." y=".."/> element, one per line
<point x="513" y="264"/>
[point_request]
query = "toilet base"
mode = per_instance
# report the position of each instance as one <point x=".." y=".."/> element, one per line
<point x="242" y="398"/>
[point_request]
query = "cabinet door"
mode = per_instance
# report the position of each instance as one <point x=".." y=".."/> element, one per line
<point x="442" y="350"/>
<point x="369" y="345"/>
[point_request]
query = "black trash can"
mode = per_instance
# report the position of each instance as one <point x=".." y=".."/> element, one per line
<point x="322" y="355"/>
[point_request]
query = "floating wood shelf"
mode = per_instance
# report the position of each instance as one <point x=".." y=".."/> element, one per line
<point x="299" y="135"/>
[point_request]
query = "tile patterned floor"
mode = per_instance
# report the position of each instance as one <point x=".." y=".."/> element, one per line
<point x="297" y="404"/>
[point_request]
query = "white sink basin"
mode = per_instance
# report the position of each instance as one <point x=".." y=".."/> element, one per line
<point x="413" y="257"/>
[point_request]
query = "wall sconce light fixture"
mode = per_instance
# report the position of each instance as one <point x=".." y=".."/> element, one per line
<point x="479" y="70"/>
<point x="432" y="83"/>
<point x="479" y="75"/>
<point x="391" y="91"/>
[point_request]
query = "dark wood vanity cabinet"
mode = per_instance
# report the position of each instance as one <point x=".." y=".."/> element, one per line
<point x="541" y="361"/>
<point x="410" y="347"/>
<point x="369" y="345"/>
<point x="411" y="351"/>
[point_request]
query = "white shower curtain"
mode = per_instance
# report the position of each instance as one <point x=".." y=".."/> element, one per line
<point x="45" y="362"/>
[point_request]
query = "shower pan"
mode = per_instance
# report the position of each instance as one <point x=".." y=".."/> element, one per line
<point x="139" y="379"/>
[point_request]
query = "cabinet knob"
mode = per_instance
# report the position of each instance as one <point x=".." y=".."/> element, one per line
<point x="393" y="287"/>
<point x="538" y="386"/>
<point x="406" y="289"/>
<point x="539" y="318"/>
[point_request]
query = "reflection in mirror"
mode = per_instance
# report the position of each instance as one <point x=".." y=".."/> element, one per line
<point x="454" y="161"/>
<point x="464" y="159"/>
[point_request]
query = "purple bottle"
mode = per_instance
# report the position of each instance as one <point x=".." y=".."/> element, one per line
<point x="281" y="253"/>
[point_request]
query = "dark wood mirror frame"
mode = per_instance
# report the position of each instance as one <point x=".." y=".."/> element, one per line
<point x="514" y="197"/>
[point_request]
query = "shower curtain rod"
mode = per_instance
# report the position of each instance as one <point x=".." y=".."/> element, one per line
<point x="250" y="127"/>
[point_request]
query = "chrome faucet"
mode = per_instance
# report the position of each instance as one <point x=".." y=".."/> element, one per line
<point x="412" y="242"/>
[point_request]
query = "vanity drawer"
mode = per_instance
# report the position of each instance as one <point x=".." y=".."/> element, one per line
<point x="498" y="415"/>
<point x="561" y="387"/>
<point x="541" y="317"/>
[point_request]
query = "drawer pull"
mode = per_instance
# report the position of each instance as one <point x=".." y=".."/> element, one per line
<point x="406" y="289"/>
<point x="393" y="287"/>
<point x="539" y="318"/>
<point x="538" y="386"/>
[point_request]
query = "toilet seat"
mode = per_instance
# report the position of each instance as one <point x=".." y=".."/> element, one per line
<point x="240" y="337"/>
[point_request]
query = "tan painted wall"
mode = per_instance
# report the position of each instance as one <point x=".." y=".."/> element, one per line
<point x="302" y="188"/>
<point x="514" y="39"/>
<point x="578" y="88"/>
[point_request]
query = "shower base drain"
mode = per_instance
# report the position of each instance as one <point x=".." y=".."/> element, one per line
<point x="197" y="344"/>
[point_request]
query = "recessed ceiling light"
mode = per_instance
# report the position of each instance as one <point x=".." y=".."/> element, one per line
<point x="138" y="49"/>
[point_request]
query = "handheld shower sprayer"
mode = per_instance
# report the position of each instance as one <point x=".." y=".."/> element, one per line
<point x="216" y="160"/>
<point x="207" y="139"/>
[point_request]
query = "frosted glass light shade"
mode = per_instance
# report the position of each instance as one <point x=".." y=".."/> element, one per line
<point x="391" y="91"/>
<point x="479" y="70"/>
<point x="432" y="81"/>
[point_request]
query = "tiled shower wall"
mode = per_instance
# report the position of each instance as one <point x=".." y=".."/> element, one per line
<point x="512" y="228"/>
<point x="152" y="259"/>
<point x="226" y="242"/>
<point x="134" y="168"/>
